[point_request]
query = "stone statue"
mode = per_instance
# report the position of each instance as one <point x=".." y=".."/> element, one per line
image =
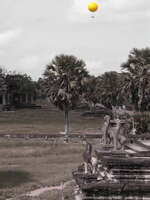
<point x="106" y="136"/>
<point x="90" y="162"/>
<point x="87" y="156"/>
<point x="114" y="132"/>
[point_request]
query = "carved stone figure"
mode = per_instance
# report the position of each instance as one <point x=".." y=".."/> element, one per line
<point x="87" y="156"/>
<point x="106" y="135"/>
<point x="94" y="163"/>
<point x="104" y="173"/>
<point x="114" y="131"/>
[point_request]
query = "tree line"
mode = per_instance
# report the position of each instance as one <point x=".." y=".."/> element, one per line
<point x="66" y="80"/>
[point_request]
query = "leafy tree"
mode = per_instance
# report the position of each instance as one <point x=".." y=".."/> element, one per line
<point x="63" y="82"/>
<point x="19" y="84"/>
<point x="137" y="79"/>
<point x="142" y="122"/>
<point x="90" y="92"/>
<point x="3" y="84"/>
<point x="39" y="90"/>
<point x="108" y="88"/>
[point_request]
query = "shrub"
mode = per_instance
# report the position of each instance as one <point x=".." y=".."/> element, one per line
<point x="142" y="122"/>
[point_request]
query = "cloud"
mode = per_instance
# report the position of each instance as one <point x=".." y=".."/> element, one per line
<point x="110" y="10"/>
<point x="9" y="35"/>
<point x="30" y="64"/>
<point x="95" y="67"/>
<point x="34" y="64"/>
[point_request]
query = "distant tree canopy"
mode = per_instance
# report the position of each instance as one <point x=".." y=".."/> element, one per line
<point x="3" y="84"/>
<point x="20" y="83"/>
<point x="40" y="90"/>
<point x="64" y="79"/>
<point x="136" y="84"/>
<point x="108" y="88"/>
<point x="90" y="93"/>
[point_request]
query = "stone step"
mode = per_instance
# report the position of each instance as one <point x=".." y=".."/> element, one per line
<point x="108" y="187"/>
<point x="128" y="163"/>
<point x="117" y="198"/>
<point x="132" y="171"/>
<point x="132" y="177"/>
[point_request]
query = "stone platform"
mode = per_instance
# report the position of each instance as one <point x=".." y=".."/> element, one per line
<point x="121" y="174"/>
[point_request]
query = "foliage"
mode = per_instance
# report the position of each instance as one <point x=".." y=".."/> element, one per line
<point x="128" y="91"/>
<point x="20" y="83"/>
<point x="63" y="81"/>
<point x="3" y="83"/>
<point x="142" y="121"/>
<point x="136" y="83"/>
<point x="108" y="88"/>
<point x="90" y="91"/>
<point x="39" y="89"/>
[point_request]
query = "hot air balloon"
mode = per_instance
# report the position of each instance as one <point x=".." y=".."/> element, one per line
<point x="92" y="7"/>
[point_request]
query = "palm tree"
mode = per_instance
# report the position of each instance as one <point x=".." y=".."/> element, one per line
<point x="136" y="83"/>
<point x="63" y="82"/>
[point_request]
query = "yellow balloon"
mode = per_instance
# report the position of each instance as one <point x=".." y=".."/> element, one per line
<point x="92" y="6"/>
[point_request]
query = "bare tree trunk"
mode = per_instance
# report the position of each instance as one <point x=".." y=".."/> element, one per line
<point x="66" y="123"/>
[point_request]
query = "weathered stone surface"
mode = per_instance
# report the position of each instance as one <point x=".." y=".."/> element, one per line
<point x="121" y="174"/>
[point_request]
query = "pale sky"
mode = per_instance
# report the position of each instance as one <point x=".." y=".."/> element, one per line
<point x="32" y="32"/>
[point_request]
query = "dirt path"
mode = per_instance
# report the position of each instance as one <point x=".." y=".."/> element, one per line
<point x="38" y="192"/>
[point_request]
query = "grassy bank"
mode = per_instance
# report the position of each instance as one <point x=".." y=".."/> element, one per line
<point x="25" y="168"/>
<point x="26" y="165"/>
<point x="45" y="121"/>
<point x="68" y="194"/>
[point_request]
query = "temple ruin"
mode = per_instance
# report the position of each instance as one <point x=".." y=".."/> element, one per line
<point x="122" y="165"/>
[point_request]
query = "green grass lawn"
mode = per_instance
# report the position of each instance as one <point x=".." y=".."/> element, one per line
<point x="26" y="165"/>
